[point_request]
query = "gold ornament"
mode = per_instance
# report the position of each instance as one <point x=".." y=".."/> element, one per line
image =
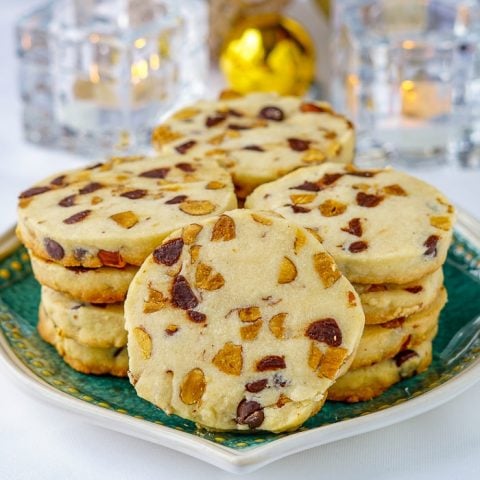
<point x="269" y="53"/>
<point x="224" y="14"/>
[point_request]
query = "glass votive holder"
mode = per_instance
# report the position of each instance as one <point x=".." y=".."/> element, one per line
<point x="96" y="75"/>
<point x="402" y="71"/>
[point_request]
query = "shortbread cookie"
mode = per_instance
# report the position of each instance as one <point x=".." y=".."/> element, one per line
<point x="388" y="301"/>
<point x="94" y="285"/>
<point x="386" y="340"/>
<point x="240" y="322"/>
<point x="369" y="382"/>
<point x="115" y="213"/>
<point x="259" y="137"/>
<point x="92" y="325"/>
<point x="380" y="226"/>
<point x="90" y="360"/>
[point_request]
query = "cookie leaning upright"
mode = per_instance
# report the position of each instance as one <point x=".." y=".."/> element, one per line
<point x="247" y="304"/>
<point x="259" y="137"/>
<point x="380" y="226"/>
<point x="115" y="213"/>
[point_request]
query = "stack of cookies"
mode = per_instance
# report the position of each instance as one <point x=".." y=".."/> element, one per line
<point x="89" y="230"/>
<point x="267" y="303"/>
<point x="389" y="234"/>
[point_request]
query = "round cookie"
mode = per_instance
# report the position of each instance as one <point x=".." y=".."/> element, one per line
<point x="388" y="301"/>
<point x="245" y="303"/>
<point x="385" y="340"/>
<point x="89" y="360"/>
<point x="99" y="325"/>
<point x="369" y="382"/>
<point x="380" y="226"/>
<point x="94" y="285"/>
<point x="259" y="137"/>
<point x="115" y="213"/>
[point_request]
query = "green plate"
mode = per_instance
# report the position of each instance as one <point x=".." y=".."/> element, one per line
<point x="112" y="402"/>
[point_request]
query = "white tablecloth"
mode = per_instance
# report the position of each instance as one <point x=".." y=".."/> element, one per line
<point x="39" y="442"/>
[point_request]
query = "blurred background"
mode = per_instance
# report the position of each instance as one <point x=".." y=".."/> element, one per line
<point x="84" y="79"/>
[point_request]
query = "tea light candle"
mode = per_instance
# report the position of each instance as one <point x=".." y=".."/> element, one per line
<point x="424" y="99"/>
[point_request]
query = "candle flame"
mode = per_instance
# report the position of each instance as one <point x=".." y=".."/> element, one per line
<point x="408" y="44"/>
<point x="154" y="61"/>
<point x="408" y="86"/>
<point x="353" y="80"/>
<point x="93" y="73"/>
<point x="140" y="42"/>
<point x="139" y="70"/>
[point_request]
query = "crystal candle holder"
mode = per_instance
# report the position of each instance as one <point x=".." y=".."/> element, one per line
<point x="406" y="73"/>
<point x="96" y="75"/>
